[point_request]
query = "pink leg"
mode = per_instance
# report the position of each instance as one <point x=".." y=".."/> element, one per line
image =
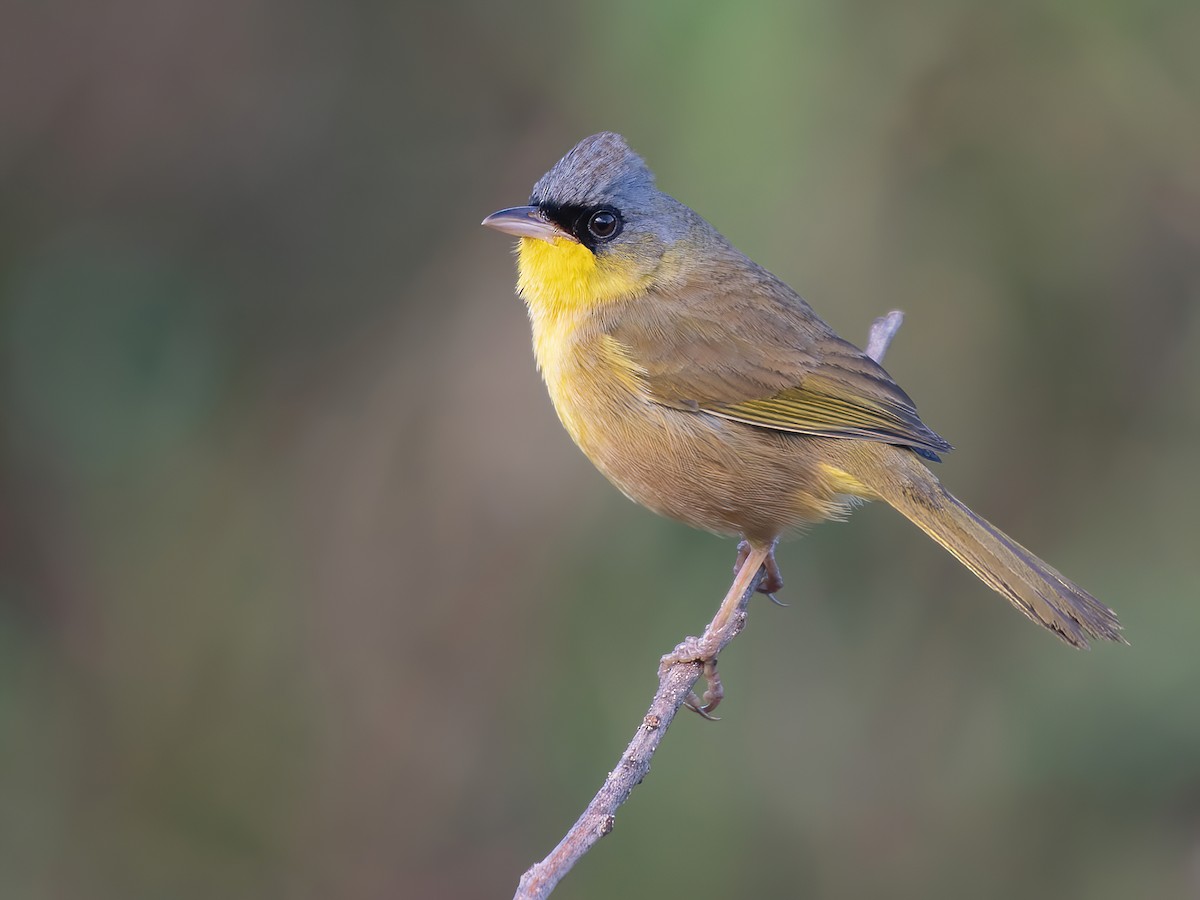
<point x="704" y="648"/>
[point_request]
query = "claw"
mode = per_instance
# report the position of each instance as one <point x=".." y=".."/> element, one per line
<point x="777" y="601"/>
<point x="693" y="702"/>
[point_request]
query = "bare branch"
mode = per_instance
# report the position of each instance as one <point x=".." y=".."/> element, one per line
<point x="883" y="330"/>
<point x="675" y="683"/>
<point x="674" y="686"/>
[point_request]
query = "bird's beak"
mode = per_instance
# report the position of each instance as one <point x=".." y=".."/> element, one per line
<point x="526" y="221"/>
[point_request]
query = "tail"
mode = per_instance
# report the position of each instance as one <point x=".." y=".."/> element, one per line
<point x="1035" y="588"/>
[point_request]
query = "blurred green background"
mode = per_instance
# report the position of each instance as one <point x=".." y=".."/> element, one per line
<point x="304" y="592"/>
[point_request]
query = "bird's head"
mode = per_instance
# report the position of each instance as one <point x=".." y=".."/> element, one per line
<point x="596" y="230"/>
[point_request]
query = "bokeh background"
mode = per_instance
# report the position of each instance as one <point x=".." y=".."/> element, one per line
<point x="305" y="593"/>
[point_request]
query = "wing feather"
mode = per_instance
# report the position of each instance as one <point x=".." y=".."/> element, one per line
<point x="746" y="347"/>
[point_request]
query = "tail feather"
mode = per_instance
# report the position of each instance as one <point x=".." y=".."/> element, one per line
<point x="1034" y="587"/>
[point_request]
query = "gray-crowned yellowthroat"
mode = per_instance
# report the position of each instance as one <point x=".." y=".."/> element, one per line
<point x="707" y="390"/>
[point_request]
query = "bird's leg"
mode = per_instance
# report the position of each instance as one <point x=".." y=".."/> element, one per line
<point x="772" y="581"/>
<point x="729" y="617"/>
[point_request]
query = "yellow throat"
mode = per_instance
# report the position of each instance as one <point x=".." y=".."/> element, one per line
<point x="561" y="277"/>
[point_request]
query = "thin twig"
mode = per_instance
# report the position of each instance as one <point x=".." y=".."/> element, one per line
<point x="883" y="330"/>
<point x="675" y="684"/>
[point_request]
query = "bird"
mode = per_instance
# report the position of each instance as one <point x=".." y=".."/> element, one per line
<point x="707" y="390"/>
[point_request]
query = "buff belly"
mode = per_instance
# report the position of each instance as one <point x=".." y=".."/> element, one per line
<point x="705" y="471"/>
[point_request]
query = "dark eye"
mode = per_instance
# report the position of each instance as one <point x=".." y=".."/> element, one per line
<point x="604" y="224"/>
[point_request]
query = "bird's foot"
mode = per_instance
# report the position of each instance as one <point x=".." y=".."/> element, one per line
<point x="702" y="650"/>
<point x="714" y="693"/>
<point x="773" y="580"/>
